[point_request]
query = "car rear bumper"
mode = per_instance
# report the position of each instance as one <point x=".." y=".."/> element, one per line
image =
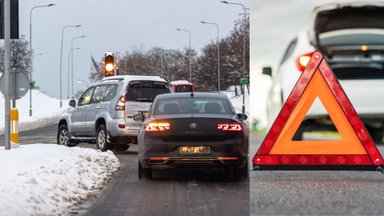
<point x="162" y="155"/>
<point x="203" y="162"/>
<point x="118" y="128"/>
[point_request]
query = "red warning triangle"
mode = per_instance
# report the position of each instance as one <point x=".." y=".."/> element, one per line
<point x="355" y="149"/>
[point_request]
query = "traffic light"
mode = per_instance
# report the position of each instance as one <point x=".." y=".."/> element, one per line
<point x="109" y="64"/>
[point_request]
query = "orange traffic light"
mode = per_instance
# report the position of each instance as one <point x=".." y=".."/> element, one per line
<point x="109" y="64"/>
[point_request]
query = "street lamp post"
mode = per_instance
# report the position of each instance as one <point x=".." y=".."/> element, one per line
<point x="244" y="42"/>
<point x="74" y="38"/>
<point x="218" y="52"/>
<point x="61" y="61"/>
<point x="190" y="62"/>
<point x="30" y="51"/>
<point x="69" y="66"/>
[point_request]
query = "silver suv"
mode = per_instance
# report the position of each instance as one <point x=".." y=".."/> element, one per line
<point x="103" y="114"/>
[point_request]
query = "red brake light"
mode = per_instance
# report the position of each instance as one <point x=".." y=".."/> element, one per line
<point x="303" y="60"/>
<point x="157" y="126"/>
<point x="229" y="127"/>
<point x="120" y="105"/>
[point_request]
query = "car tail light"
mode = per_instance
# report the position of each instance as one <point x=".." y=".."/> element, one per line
<point x="157" y="126"/>
<point x="303" y="60"/>
<point x="120" y="105"/>
<point x="227" y="158"/>
<point x="229" y="127"/>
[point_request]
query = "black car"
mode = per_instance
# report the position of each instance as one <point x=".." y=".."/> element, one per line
<point x="192" y="130"/>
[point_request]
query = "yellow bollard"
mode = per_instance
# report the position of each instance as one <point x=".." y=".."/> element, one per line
<point x="14" y="127"/>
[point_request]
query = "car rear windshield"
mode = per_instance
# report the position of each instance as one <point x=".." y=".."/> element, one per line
<point x="183" y="88"/>
<point x="145" y="91"/>
<point x="192" y="105"/>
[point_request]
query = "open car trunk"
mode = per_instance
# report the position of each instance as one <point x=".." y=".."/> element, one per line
<point x="351" y="37"/>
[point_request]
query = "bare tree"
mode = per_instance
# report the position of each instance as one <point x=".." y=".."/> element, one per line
<point x="20" y="55"/>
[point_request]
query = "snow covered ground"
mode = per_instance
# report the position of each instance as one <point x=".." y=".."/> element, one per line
<point x="46" y="110"/>
<point x="45" y="179"/>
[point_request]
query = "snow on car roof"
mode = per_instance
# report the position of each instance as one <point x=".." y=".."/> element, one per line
<point x="128" y="78"/>
<point x="180" y="82"/>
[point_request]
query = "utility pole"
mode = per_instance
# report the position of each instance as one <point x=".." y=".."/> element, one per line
<point x="7" y="72"/>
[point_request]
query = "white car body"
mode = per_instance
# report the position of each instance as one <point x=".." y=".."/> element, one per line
<point x="343" y="48"/>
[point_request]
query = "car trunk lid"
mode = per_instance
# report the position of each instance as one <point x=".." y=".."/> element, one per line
<point x="347" y="24"/>
<point x="351" y="37"/>
<point x="192" y="127"/>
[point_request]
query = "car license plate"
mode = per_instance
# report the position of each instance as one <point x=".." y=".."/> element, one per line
<point x="194" y="149"/>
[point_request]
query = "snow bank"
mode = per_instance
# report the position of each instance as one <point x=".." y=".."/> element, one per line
<point x="46" y="110"/>
<point x="237" y="101"/>
<point x="48" y="179"/>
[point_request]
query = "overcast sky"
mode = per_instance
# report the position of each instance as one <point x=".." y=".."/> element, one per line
<point x="116" y="25"/>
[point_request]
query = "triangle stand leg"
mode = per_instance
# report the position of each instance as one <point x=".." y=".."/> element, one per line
<point x="380" y="169"/>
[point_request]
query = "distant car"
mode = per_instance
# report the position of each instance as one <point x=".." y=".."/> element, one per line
<point x="182" y="86"/>
<point x="192" y="130"/>
<point x="351" y="37"/>
<point x="103" y="113"/>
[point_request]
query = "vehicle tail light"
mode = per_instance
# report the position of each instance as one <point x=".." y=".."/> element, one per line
<point x="229" y="127"/>
<point x="157" y="126"/>
<point x="303" y="60"/>
<point x="227" y="158"/>
<point x="120" y="105"/>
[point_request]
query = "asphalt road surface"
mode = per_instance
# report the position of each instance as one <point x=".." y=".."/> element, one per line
<point x="179" y="192"/>
<point x="315" y="192"/>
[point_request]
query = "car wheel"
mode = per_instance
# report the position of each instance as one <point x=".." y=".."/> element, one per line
<point x="144" y="172"/>
<point x="241" y="172"/>
<point x="121" y="147"/>
<point x="101" y="138"/>
<point x="376" y="134"/>
<point x="63" y="136"/>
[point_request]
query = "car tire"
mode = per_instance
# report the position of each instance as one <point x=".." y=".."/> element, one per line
<point x="101" y="138"/>
<point x="144" y="172"/>
<point x="241" y="173"/>
<point x="63" y="136"/>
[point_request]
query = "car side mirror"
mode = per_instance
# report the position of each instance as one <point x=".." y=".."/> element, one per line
<point x="139" y="117"/>
<point x="267" y="71"/>
<point x="72" y="103"/>
<point x="242" y="116"/>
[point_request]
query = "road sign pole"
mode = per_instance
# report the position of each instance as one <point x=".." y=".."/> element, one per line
<point x="7" y="64"/>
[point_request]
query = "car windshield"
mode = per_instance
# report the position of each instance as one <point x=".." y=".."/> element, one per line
<point x="145" y="91"/>
<point x="192" y="105"/>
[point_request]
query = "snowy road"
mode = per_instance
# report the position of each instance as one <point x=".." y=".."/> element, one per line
<point x="171" y="193"/>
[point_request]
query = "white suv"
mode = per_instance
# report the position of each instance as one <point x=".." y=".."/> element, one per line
<point x="103" y="113"/>
<point x="351" y="37"/>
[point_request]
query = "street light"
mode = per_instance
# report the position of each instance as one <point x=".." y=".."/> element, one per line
<point x="61" y="60"/>
<point x="244" y="41"/>
<point x="30" y="51"/>
<point x="218" y="52"/>
<point x="190" y="64"/>
<point x="72" y="61"/>
<point x="69" y="66"/>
